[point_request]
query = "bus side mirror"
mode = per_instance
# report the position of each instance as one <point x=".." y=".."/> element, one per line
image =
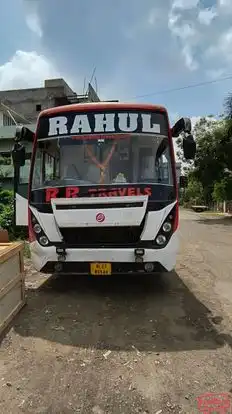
<point x="183" y="125"/>
<point x="183" y="183"/>
<point x="189" y="147"/>
<point x="24" y="134"/>
<point x="18" y="154"/>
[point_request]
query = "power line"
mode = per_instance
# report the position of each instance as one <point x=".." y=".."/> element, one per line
<point x="195" y="85"/>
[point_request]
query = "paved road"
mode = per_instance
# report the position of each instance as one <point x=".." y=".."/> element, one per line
<point x="122" y="345"/>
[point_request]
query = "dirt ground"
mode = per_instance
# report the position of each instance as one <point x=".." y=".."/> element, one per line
<point x="126" y="345"/>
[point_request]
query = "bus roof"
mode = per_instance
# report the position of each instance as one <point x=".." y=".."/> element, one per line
<point x="101" y="105"/>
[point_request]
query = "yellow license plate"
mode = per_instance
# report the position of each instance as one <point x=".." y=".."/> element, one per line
<point x="100" y="268"/>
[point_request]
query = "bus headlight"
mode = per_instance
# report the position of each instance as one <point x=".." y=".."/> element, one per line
<point x="43" y="240"/>
<point x="37" y="229"/>
<point x="167" y="227"/>
<point x="161" y="240"/>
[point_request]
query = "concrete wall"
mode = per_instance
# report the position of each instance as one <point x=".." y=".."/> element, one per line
<point x="24" y="101"/>
<point x="58" y="83"/>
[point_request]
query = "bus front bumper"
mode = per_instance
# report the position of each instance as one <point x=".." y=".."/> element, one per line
<point x="47" y="260"/>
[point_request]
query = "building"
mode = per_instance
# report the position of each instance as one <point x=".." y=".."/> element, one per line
<point x="22" y="107"/>
<point x="9" y="119"/>
<point x="55" y="92"/>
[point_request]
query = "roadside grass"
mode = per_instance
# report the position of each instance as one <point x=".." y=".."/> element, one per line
<point x="213" y="213"/>
<point x="26" y="249"/>
<point x="216" y="214"/>
<point x="207" y="213"/>
<point x="27" y="252"/>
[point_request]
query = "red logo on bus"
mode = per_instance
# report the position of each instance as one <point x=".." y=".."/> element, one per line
<point x="100" y="217"/>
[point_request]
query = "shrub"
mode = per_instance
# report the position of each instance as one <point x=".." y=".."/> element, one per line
<point x="6" y="197"/>
<point x="7" y="216"/>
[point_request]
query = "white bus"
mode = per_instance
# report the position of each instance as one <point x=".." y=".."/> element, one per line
<point x="103" y="194"/>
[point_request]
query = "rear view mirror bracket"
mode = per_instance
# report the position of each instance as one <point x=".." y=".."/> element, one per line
<point x="18" y="155"/>
<point x="183" y="125"/>
<point x="189" y="147"/>
<point x="23" y="134"/>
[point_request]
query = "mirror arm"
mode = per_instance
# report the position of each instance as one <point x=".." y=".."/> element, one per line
<point x="24" y="134"/>
<point x="183" y="125"/>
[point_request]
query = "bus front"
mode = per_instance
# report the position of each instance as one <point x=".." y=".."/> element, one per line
<point x="103" y="191"/>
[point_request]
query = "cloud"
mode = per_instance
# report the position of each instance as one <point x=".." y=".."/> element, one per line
<point x="222" y="48"/>
<point x="121" y="39"/>
<point x="33" y="23"/>
<point x="206" y="16"/>
<point x="200" y="31"/>
<point x="190" y="62"/>
<point x="185" y="4"/>
<point x="225" y="5"/>
<point x="183" y="31"/>
<point x="153" y="17"/>
<point x="157" y="16"/>
<point x="215" y="73"/>
<point x="137" y="47"/>
<point x="26" y="70"/>
<point x="186" y="32"/>
<point x="32" y="17"/>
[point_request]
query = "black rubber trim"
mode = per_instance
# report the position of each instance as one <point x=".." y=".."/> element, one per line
<point x="117" y="268"/>
<point x="148" y="244"/>
<point x="98" y="206"/>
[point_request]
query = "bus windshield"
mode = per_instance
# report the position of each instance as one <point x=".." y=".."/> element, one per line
<point x="114" y="159"/>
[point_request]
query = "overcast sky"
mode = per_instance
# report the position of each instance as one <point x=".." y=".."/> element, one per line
<point x="138" y="47"/>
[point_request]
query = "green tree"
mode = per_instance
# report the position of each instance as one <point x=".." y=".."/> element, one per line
<point x="219" y="192"/>
<point x="7" y="217"/>
<point x="194" y="193"/>
<point x="213" y="157"/>
<point x="223" y="190"/>
<point x="6" y="200"/>
<point x="6" y="197"/>
<point x="5" y="167"/>
<point x="214" y="153"/>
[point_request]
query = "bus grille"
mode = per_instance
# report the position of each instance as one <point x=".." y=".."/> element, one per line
<point x="104" y="236"/>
